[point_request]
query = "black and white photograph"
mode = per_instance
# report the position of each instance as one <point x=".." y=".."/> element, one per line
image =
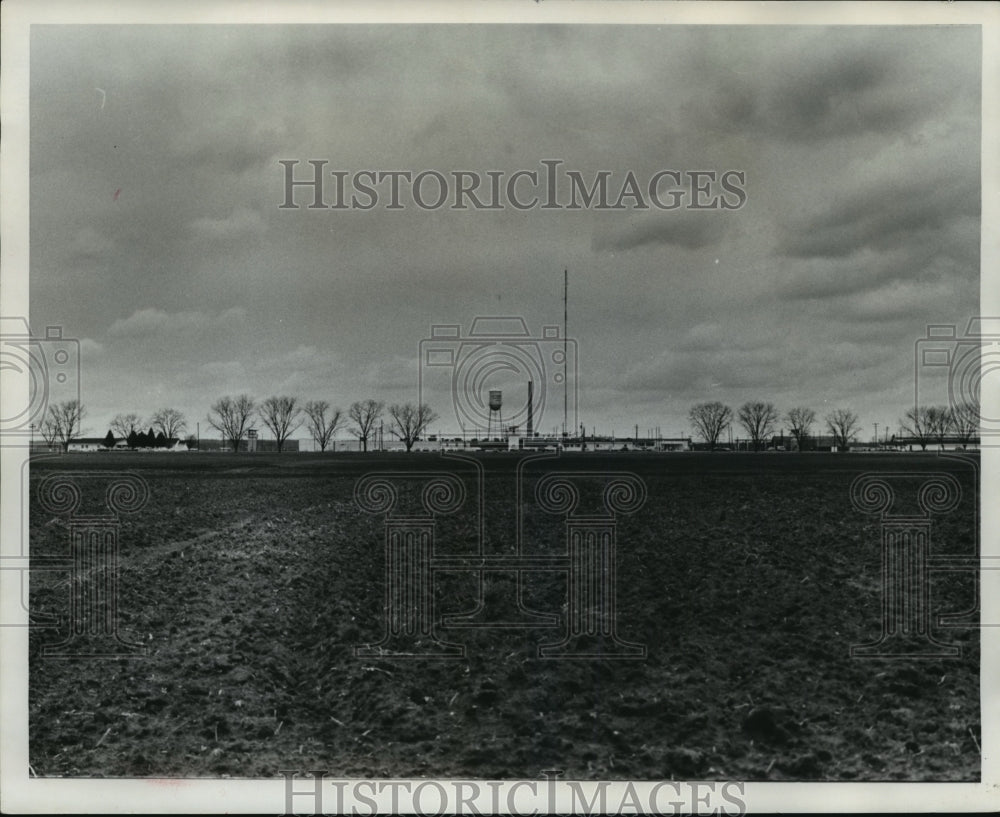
<point x="499" y="408"/>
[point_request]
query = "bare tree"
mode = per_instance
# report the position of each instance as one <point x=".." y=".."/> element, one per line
<point x="710" y="420"/>
<point x="49" y="429"/>
<point x="67" y="419"/>
<point x="280" y="414"/>
<point x="758" y="418"/>
<point x="364" y="415"/>
<point x="124" y="424"/>
<point x="918" y="422"/>
<point x="940" y="422"/>
<point x="230" y="416"/>
<point x="800" y="420"/>
<point x="965" y="417"/>
<point x="170" y="422"/>
<point x="409" y="421"/>
<point x="844" y="426"/>
<point x="321" y="427"/>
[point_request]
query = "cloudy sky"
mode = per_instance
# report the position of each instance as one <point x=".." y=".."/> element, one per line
<point x="157" y="237"/>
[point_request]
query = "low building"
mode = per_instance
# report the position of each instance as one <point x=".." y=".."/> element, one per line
<point x="82" y="444"/>
<point x="87" y="444"/>
<point x="260" y="445"/>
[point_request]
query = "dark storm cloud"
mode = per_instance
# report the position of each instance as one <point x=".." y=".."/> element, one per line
<point x="881" y="217"/>
<point x="920" y="263"/>
<point x="689" y="231"/>
<point x="156" y="234"/>
<point x="832" y="99"/>
<point x="825" y="84"/>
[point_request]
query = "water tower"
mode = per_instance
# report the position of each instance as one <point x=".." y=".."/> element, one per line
<point x="531" y="409"/>
<point x="496" y="402"/>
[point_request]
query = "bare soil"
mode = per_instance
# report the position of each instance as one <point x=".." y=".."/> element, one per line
<point x="249" y="579"/>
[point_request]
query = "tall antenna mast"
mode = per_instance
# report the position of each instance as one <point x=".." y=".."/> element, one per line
<point x="565" y="350"/>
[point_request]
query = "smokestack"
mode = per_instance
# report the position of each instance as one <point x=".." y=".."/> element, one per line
<point x="531" y="401"/>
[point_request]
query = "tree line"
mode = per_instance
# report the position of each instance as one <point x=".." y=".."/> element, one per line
<point x="926" y="424"/>
<point x="63" y="422"/>
<point x="759" y="418"/>
<point x="232" y="417"/>
<point x="284" y="415"/>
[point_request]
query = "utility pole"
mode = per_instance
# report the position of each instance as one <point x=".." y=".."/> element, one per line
<point x="565" y="350"/>
<point x="876" y="435"/>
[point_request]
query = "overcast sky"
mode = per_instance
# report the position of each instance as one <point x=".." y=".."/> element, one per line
<point x="157" y="238"/>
